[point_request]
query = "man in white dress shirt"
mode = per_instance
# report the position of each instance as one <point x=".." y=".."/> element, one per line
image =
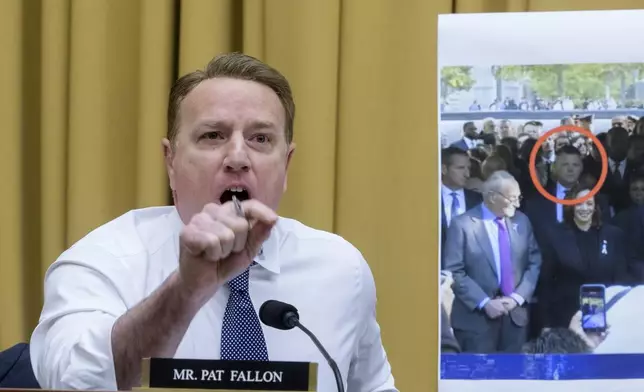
<point x="187" y="281"/>
<point x="470" y="137"/>
<point x="455" y="199"/>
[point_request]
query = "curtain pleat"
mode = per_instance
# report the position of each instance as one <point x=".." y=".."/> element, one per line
<point x="12" y="298"/>
<point x="157" y="69"/>
<point x="386" y="198"/>
<point x="206" y="29"/>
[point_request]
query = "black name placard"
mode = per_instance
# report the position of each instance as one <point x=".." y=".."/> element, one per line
<point x="169" y="373"/>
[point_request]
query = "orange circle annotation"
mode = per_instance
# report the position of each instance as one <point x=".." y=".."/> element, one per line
<point x="533" y="170"/>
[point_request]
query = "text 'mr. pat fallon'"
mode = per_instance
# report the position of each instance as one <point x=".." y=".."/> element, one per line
<point x="233" y="375"/>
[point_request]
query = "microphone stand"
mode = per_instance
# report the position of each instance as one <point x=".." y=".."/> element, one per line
<point x="330" y="361"/>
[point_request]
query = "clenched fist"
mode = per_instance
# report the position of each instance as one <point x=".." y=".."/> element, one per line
<point x="219" y="243"/>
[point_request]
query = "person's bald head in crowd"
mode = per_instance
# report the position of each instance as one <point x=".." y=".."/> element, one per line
<point x="618" y="121"/>
<point x="505" y="128"/>
<point x="501" y="194"/>
<point x="489" y="126"/>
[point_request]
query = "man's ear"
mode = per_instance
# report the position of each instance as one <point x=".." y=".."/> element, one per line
<point x="444" y="169"/>
<point x="289" y="155"/>
<point x="291" y="151"/>
<point x="168" y="158"/>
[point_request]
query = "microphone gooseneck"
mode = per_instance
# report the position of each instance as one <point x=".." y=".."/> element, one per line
<point x="325" y="354"/>
<point x="284" y="316"/>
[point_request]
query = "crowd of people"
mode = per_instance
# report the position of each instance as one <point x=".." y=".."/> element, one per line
<point x="538" y="104"/>
<point x="514" y="260"/>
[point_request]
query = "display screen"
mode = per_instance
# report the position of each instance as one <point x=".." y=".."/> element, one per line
<point x="593" y="308"/>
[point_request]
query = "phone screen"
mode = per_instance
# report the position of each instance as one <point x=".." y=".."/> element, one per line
<point x="593" y="308"/>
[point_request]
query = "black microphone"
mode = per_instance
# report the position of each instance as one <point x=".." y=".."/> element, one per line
<point x="284" y="316"/>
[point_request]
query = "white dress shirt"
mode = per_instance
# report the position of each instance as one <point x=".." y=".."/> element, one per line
<point x="621" y="166"/>
<point x="122" y="262"/>
<point x="470" y="142"/>
<point x="561" y="194"/>
<point x="447" y="202"/>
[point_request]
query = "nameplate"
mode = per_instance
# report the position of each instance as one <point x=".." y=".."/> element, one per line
<point x="169" y="373"/>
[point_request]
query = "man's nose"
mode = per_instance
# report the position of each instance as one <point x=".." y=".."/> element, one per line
<point x="237" y="155"/>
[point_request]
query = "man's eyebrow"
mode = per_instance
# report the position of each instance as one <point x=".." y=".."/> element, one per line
<point x="221" y="125"/>
<point x="215" y="125"/>
<point x="258" y="125"/>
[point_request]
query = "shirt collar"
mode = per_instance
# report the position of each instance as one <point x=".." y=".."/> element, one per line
<point x="561" y="188"/>
<point x="613" y="163"/>
<point x="469" y="142"/>
<point x="268" y="256"/>
<point x="486" y="214"/>
<point x="448" y="192"/>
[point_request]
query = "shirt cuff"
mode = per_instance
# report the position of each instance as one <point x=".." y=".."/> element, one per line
<point x="484" y="302"/>
<point x="520" y="300"/>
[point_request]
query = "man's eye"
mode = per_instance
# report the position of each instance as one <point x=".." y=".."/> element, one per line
<point x="211" y="135"/>
<point x="261" y="138"/>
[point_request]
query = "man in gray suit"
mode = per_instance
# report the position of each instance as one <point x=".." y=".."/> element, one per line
<point x="495" y="262"/>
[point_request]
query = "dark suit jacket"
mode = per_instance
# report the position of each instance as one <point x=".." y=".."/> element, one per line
<point x="469" y="256"/>
<point x="460" y="144"/>
<point x="15" y="368"/>
<point x="564" y="270"/>
<point x="631" y="221"/>
<point x="617" y="191"/>
<point x="472" y="199"/>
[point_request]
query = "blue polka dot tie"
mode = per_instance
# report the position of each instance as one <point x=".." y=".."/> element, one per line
<point x="242" y="338"/>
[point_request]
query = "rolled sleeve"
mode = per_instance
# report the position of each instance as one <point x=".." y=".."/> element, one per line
<point x="71" y="347"/>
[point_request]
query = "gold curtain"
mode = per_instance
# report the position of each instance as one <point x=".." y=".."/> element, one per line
<point x="84" y="87"/>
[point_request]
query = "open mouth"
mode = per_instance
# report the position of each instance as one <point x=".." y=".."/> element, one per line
<point x="239" y="192"/>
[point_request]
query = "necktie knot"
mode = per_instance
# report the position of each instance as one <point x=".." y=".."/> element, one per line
<point x="456" y="205"/>
<point x="240" y="283"/>
<point x="500" y="222"/>
<point x="616" y="167"/>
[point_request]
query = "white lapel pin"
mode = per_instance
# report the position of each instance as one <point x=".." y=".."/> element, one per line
<point x="604" y="247"/>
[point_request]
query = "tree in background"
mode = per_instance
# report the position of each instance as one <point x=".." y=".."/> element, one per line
<point x="544" y="80"/>
<point x="577" y="81"/>
<point x="456" y="79"/>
